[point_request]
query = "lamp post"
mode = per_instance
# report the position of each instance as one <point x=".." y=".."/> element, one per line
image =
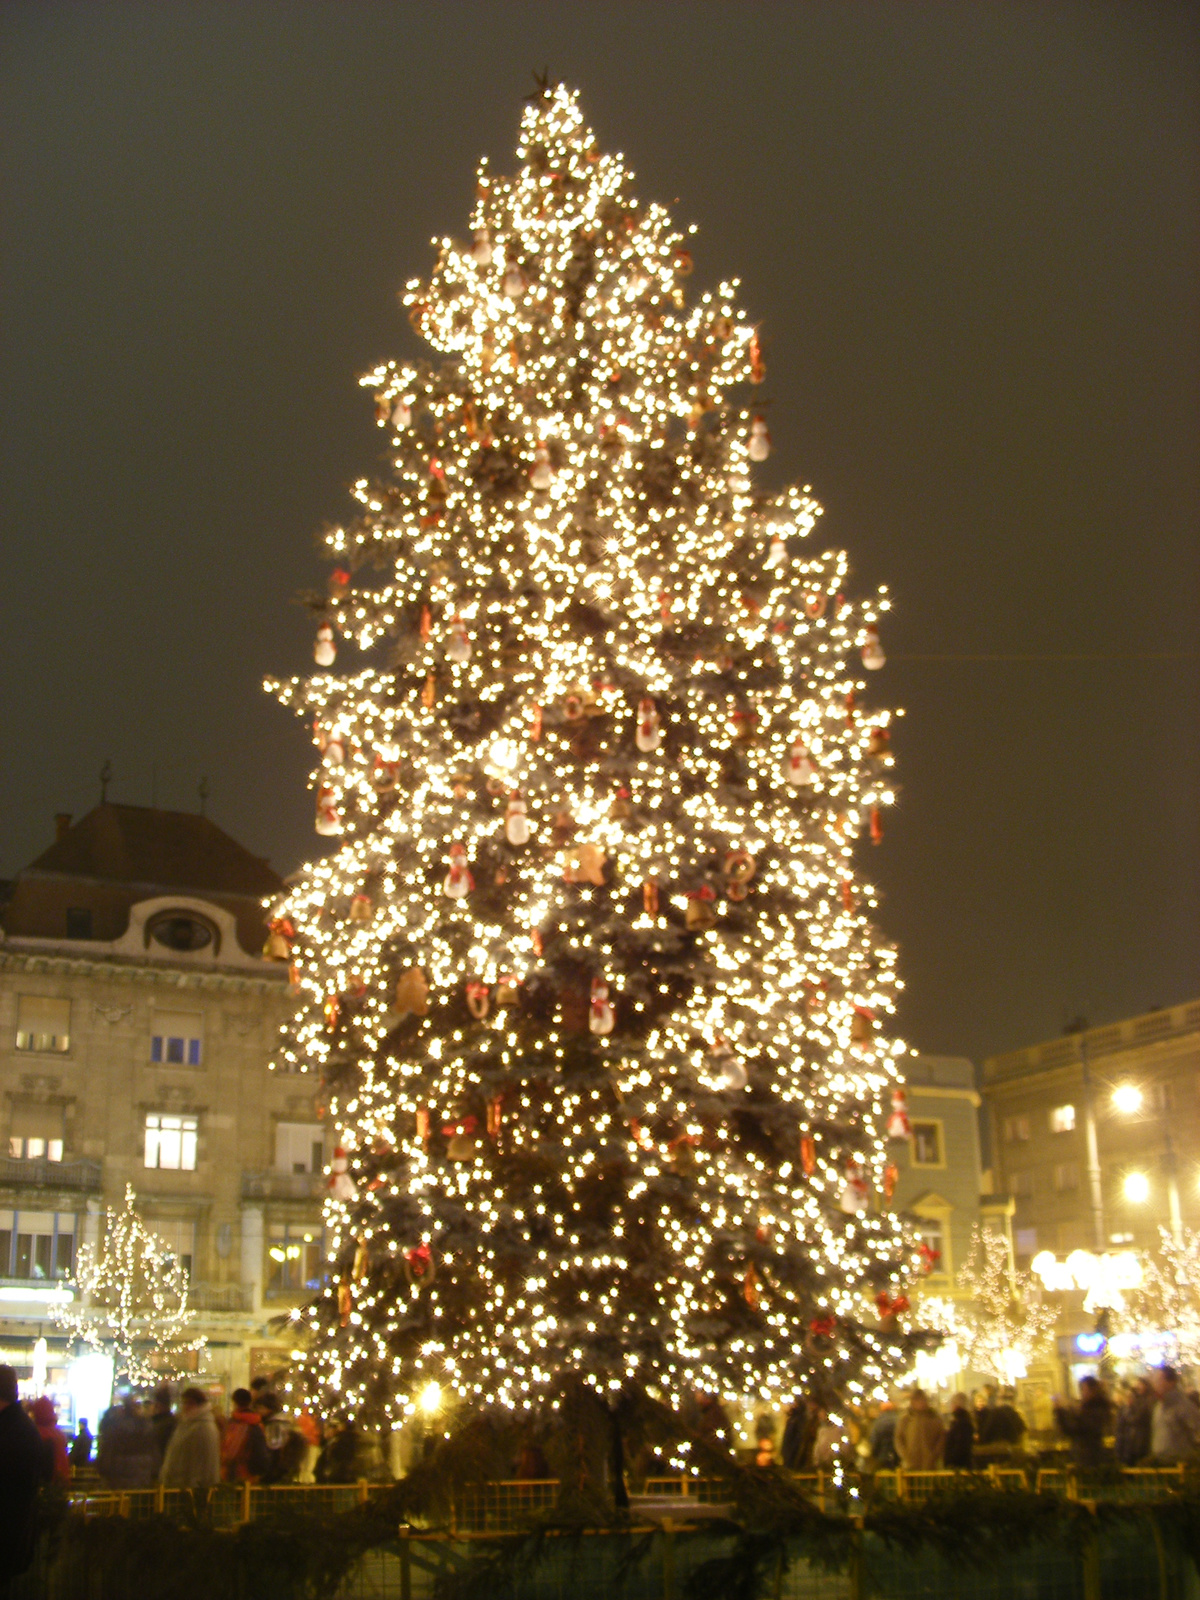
<point x="1129" y="1099"/>
<point x="1095" y="1182"/>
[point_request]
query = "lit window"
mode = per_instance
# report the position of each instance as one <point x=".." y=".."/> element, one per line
<point x="171" y="1142"/>
<point x="294" y="1256"/>
<point x="299" y="1147"/>
<point x="175" y="1038"/>
<point x="1016" y="1130"/>
<point x="43" y="1023"/>
<point x="926" y="1144"/>
<point x="37" y="1244"/>
<point x="34" y="1149"/>
<point x="1062" y="1119"/>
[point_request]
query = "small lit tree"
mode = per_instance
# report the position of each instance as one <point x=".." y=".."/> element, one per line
<point x="1005" y="1324"/>
<point x="1169" y="1295"/>
<point x="131" y="1300"/>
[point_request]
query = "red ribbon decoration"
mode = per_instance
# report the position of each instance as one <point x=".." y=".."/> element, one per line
<point x="418" y="1260"/>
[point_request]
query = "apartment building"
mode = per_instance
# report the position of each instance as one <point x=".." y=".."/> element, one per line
<point x="137" y="1016"/>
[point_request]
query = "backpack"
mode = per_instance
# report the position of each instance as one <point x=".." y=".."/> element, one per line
<point x="233" y="1445"/>
<point x="244" y="1453"/>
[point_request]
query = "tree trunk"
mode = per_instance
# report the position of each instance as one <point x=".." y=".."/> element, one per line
<point x="616" y="1460"/>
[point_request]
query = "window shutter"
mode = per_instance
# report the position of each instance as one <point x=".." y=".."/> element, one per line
<point x="176" y="1037"/>
<point x="33" y="1121"/>
<point x="43" y="1023"/>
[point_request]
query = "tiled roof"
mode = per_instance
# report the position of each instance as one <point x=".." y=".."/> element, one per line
<point x="169" y="849"/>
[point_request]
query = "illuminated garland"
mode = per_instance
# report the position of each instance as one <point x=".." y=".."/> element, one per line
<point x="131" y="1300"/>
<point x="590" y="977"/>
<point x="1168" y="1298"/>
<point x="1005" y="1325"/>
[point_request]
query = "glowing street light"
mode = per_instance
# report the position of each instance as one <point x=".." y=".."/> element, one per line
<point x="1129" y="1099"/>
<point x="430" y="1398"/>
<point x="1137" y="1188"/>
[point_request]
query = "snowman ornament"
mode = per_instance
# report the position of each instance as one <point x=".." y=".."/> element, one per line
<point x="329" y="823"/>
<point x="341" y="1184"/>
<point x="541" y="474"/>
<point x="899" y="1127"/>
<point x="759" y="447"/>
<point x="601" y="1016"/>
<point x="853" y="1198"/>
<point x="726" y="1066"/>
<point x="872" y="651"/>
<point x="458" y="645"/>
<point x="481" y="249"/>
<point x="458" y="882"/>
<point x="324" y="651"/>
<point x="516" y="822"/>
<point x="649" y="733"/>
<point x="776" y="554"/>
<point x="798" y="770"/>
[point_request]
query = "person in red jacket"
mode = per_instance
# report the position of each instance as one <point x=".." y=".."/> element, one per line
<point x="245" y="1457"/>
<point x="45" y="1420"/>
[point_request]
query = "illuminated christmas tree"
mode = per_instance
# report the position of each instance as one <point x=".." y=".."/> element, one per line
<point x="1005" y="1325"/>
<point x="590" y="977"/>
<point x="1169" y="1295"/>
<point x="131" y="1300"/>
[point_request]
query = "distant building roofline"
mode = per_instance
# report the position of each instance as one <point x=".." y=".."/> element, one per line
<point x="1133" y="1032"/>
<point x="154" y="849"/>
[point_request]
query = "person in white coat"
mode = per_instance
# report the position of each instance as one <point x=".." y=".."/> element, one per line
<point x="193" y="1458"/>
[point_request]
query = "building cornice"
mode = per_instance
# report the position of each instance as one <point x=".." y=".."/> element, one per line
<point x="1118" y="1038"/>
<point x="22" y="957"/>
<point x="948" y="1092"/>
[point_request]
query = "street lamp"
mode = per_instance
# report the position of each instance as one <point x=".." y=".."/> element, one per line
<point x="1137" y="1188"/>
<point x="1129" y="1099"/>
<point x="430" y="1398"/>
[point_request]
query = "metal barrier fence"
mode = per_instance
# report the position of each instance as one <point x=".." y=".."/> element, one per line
<point x="511" y="1505"/>
<point x="501" y="1507"/>
<point x="655" y="1558"/>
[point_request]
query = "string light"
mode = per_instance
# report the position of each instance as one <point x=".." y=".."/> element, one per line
<point x="1002" y="1323"/>
<point x="132" y="1300"/>
<point x="609" y="1065"/>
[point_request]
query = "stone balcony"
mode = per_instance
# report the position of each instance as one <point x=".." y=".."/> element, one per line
<point x="283" y="1185"/>
<point x="213" y="1297"/>
<point x="81" y="1176"/>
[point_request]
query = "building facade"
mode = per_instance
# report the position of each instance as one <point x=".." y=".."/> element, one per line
<point x="1096" y="1140"/>
<point x="1141" y="1079"/>
<point x="137" y="1017"/>
<point x="939" y="1180"/>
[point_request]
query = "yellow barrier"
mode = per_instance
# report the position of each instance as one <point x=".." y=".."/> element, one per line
<point x="495" y="1507"/>
<point x="227" y="1504"/>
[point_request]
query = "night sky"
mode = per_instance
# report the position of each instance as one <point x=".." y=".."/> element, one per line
<point x="970" y="235"/>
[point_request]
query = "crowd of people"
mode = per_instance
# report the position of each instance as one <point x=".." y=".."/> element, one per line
<point x="1155" y="1421"/>
<point x="182" y="1442"/>
<point x="256" y="1441"/>
<point x="908" y="1432"/>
